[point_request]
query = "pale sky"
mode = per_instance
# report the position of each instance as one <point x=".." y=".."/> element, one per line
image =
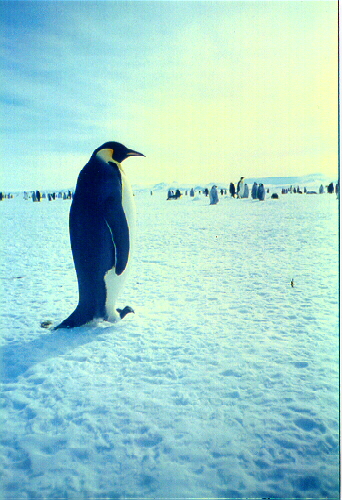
<point x="208" y="91"/>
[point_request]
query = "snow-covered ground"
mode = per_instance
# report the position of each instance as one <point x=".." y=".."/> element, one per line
<point x="224" y="384"/>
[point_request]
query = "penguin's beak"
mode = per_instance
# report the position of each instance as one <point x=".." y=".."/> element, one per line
<point x="130" y="152"/>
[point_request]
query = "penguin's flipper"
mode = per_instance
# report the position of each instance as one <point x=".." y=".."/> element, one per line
<point x="117" y="223"/>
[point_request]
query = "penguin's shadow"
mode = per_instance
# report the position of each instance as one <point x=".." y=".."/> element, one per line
<point x="18" y="357"/>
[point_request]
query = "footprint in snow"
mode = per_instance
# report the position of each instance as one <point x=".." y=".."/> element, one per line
<point x="149" y="441"/>
<point x="231" y="373"/>
<point x="307" y="424"/>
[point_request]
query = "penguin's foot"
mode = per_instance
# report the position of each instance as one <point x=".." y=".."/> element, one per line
<point x="126" y="310"/>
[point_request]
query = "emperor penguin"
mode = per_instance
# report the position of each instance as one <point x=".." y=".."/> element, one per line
<point x="240" y="188"/>
<point x="101" y="224"/>
<point x="261" y="192"/>
<point x="255" y="191"/>
<point x="245" y="191"/>
<point x="213" y="195"/>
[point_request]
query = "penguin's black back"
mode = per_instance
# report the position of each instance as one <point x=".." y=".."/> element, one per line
<point x="90" y="237"/>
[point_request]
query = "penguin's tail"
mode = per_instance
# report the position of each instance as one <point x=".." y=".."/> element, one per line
<point x="67" y="323"/>
<point x="77" y="318"/>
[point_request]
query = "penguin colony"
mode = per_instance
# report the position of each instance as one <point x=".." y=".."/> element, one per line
<point x="68" y="195"/>
<point x="258" y="191"/>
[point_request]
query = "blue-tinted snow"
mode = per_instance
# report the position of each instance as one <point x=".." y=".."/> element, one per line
<point x="224" y="384"/>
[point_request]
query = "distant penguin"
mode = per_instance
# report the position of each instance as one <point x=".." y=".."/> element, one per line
<point x="321" y="189"/>
<point x="246" y="191"/>
<point x="240" y="189"/>
<point x="261" y="192"/>
<point x="232" y="190"/>
<point x="213" y="196"/>
<point x="192" y="192"/>
<point x="254" y="191"/>
<point x="101" y="223"/>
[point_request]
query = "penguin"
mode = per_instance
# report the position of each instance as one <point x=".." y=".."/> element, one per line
<point x="246" y="191"/>
<point x="213" y="195"/>
<point x="101" y="225"/>
<point x="261" y="192"/>
<point x="254" y="191"/>
<point x="240" y="188"/>
<point x="330" y="188"/>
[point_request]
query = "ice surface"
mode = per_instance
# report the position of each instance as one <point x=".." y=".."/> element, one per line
<point x="224" y="384"/>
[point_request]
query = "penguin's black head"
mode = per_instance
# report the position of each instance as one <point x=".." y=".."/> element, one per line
<point x="117" y="151"/>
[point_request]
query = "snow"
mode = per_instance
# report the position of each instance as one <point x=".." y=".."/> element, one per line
<point x="224" y="384"/>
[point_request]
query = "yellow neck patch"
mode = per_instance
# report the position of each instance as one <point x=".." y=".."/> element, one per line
<point x="106" y="155"/>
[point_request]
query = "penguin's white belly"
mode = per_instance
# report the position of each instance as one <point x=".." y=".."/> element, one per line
<point x="114" y="283"/>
